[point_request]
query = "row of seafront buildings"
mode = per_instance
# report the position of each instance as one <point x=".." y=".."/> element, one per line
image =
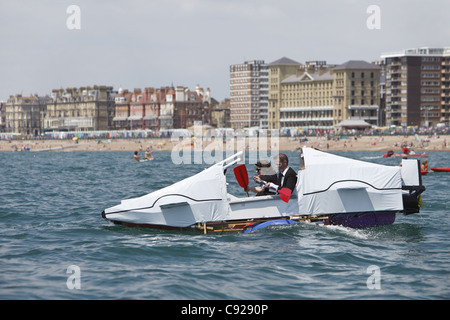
<point x="406" y="88"/>
<point x="100" y="108"/>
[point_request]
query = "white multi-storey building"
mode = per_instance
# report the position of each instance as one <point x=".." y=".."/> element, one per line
<point x="249" y="94"/>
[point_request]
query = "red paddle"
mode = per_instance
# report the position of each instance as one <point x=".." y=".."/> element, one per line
<point x="285" y="194"/>
<point x="242" y="176"/>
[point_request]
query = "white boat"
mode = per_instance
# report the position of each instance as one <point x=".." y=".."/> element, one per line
<point x="330" y="189"/>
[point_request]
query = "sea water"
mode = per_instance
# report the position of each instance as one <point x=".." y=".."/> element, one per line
<point x="54" y="244"/>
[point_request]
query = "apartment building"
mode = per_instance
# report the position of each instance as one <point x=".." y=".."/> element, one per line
<point x="24" y="115"/>
<point x="80" y="109"/>
<point x="418" y="86"/>
<point x="249" y="95"/>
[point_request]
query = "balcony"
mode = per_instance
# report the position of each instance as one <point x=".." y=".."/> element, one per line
<point x="395" y="63"/>
<point x="87" y="122"/>
<point x="306" y="109"/>
<point x="365" y="118"/>
<point x="363" y="107"/>
<point x="304" y="120"/>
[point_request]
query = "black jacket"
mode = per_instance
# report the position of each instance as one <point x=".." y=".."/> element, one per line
<point x="290" y="180"/>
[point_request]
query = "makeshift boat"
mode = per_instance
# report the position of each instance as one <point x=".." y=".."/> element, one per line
<point x="330" y="189"/>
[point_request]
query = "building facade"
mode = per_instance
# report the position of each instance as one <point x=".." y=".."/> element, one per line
<point x="320" y="96"/>
<point x="152" y="103"/>
<point x="190" y="107"/>
<point x="278" y="71"/>
<point x="80" y="109"/>
<point x="418" y="87"/>
<point x="307" y="97"/>
<point x="2" y="116"/>
<point x="24" y="115"/>
<point x="122" y="109"/>
<point x="165" y="108"/>
<point x="357" y="91"/>
<point x="221" y="114"/>
<point x="249" y="95"/>
<point x="137" y="110"/>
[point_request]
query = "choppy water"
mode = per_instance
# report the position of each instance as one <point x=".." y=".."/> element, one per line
<point x="50" y="206"/>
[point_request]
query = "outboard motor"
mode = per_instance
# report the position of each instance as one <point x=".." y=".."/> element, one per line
<point x="412" y="186"/>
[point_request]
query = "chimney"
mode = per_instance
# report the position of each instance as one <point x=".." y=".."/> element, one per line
<point x="322" y="70"/>
<point x="179" y="94"/>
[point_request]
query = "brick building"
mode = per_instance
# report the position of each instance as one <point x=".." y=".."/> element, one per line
<point x="418" y="86"/>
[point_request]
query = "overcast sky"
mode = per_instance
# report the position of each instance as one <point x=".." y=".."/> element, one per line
<point x="154" y="43"/>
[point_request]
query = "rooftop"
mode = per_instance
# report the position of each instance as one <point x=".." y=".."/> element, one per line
<point x="421" y="51"/>
<point x="356" y="64"/>
<point x="309" y="77"/>
<point x="283" y="62"/>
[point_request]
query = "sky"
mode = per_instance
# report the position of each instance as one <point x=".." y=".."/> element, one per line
<point x="154" y="43"/>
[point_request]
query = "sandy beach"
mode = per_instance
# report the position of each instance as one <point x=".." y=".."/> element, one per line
<point x="361" y="143"/>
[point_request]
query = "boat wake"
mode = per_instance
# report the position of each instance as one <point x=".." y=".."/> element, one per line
<point x="370" y="157"/>
<point x="351" y="232"/>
